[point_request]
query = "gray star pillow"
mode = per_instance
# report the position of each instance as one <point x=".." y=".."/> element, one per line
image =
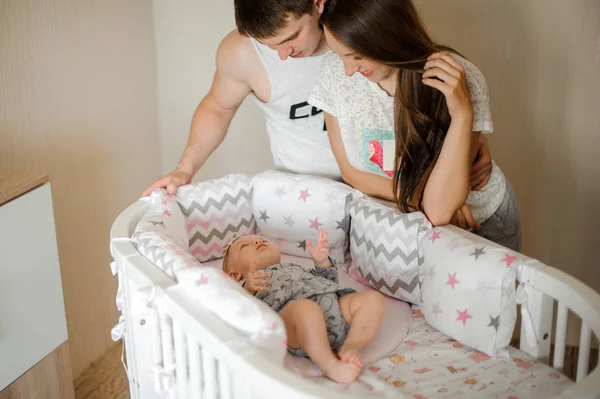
<point x="289" y="209"/>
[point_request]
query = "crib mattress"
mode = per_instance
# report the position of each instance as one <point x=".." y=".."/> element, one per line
<point x="429" y="365"/>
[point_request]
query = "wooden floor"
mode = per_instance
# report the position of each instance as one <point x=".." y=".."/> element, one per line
<point x="104" y="379"/>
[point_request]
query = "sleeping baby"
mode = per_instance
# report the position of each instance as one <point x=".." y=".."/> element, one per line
<point x="321" y="319"/>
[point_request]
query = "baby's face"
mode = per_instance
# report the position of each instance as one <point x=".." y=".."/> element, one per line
<point x="247" y="250"/>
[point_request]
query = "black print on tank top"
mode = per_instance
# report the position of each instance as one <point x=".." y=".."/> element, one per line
<point x="297" y="112"/>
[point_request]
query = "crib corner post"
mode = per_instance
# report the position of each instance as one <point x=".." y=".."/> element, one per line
<point x="541" y="309"/>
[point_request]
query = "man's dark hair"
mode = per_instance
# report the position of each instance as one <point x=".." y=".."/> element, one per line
<point x="263" y="18"/>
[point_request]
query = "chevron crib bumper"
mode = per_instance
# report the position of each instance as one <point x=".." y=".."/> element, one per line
<point x="384" y="248"/>
<point x="214" y="210"/>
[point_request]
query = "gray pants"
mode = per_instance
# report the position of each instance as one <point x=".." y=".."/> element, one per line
<point x="504" y="226"/>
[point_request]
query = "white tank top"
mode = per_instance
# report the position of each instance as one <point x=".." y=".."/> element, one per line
<point x="297" y="134"/>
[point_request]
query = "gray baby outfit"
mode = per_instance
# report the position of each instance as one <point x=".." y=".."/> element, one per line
<point x="290" y="282"/>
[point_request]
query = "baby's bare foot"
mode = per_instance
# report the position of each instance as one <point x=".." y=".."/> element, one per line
<point x="344" y="373"/>
<point x="350" y="354"/>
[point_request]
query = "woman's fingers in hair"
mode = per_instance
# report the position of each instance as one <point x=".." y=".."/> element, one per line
<point x="436" y="84"/>
<point x="441" y="74"/>
<point x="440" y="64"/>
<point x="448" y="58"/>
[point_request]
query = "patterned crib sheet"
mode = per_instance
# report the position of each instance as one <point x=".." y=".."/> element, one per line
<point x="430" y="365"/>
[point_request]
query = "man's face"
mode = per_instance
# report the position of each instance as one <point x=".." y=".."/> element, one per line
<point x="302" y="37"/>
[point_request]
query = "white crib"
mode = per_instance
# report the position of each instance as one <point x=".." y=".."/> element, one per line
<point x="174" y="349"/>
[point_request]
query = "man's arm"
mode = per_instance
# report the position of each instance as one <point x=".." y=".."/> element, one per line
<point x="214" y="113"/>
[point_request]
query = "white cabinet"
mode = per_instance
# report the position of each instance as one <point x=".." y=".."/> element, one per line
<point x="32" y="314"/>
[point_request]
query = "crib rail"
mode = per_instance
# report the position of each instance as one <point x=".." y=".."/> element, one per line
<point x="199" y="356"/>
<point x="190" y="353"/>
<point x="544" y="286"/>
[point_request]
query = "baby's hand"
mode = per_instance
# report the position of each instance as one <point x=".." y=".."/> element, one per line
<point x="320" y="252"/>
<point x="256" y="281"/>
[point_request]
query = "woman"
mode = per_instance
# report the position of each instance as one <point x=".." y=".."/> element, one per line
<point x="399" y="105"/>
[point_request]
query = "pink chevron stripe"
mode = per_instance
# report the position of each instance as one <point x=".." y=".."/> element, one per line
<point x="214" y="248"/>
<point x="212" y="222"/>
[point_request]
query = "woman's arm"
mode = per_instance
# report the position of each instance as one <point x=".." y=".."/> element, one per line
<point x="448" y="185"/>
<point x="368" y="183"/>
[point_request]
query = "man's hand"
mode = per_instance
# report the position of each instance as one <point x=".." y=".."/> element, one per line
<point x="464" y="219"/>
<point x="171" y="181"/>
<point x="481" y="169"/>
<point x="320" y="252"/>
<point x="256" y="281"/>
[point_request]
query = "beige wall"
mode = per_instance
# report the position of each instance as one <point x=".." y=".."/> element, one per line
<point x="78" y="101"/>
<point x="541" y="59"/>
<point x="187" y="34"/>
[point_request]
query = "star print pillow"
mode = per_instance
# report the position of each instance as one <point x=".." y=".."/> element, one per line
<point x="468" y="289"/>
<point x="290" y="209"/>
<point x="215" y="210"/>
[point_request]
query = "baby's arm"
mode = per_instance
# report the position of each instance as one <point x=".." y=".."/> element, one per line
<point x="320" y="252"/>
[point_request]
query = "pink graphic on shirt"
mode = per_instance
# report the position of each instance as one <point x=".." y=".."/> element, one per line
<point x="376" y="156"/>
<point x="452" y="281"/>
<point x="463" y="316"/>
<point x="167" y="213"/>
<point x="304" y="195"/>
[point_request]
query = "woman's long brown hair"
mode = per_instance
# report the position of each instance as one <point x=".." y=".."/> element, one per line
<point x="392" y="33"/>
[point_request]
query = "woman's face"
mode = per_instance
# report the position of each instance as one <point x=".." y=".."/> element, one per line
<point x="353" y="62"/>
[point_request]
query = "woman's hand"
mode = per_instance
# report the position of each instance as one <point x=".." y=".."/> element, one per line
<point x="320" y="252"/>
<point x="444" y="73"/>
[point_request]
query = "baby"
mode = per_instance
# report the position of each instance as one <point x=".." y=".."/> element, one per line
<point x="321" y="319"/>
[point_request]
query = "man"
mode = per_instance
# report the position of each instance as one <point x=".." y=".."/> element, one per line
<point x="274" y="54"/>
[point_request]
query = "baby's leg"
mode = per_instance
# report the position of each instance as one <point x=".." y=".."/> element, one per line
<point x="305" y="327"/>
<point x="363" y="311"/>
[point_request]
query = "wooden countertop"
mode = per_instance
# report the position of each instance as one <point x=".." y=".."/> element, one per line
<point x="13" y="184"/>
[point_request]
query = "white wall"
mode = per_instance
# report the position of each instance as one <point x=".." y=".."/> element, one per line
<point x="78" y="101"/>
<point x="187" y="35"/>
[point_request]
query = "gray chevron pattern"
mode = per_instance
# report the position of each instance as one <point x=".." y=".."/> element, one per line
<point x="214" y="210"/>
<point x="217" y="203"/>
<point x="153" y="248"/>
<point x="384" y="248"/>
<point x="221" y="234"/>
<point x="382" y="285"/>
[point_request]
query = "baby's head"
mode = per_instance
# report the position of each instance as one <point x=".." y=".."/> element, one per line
<point x="246" y="251"/>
